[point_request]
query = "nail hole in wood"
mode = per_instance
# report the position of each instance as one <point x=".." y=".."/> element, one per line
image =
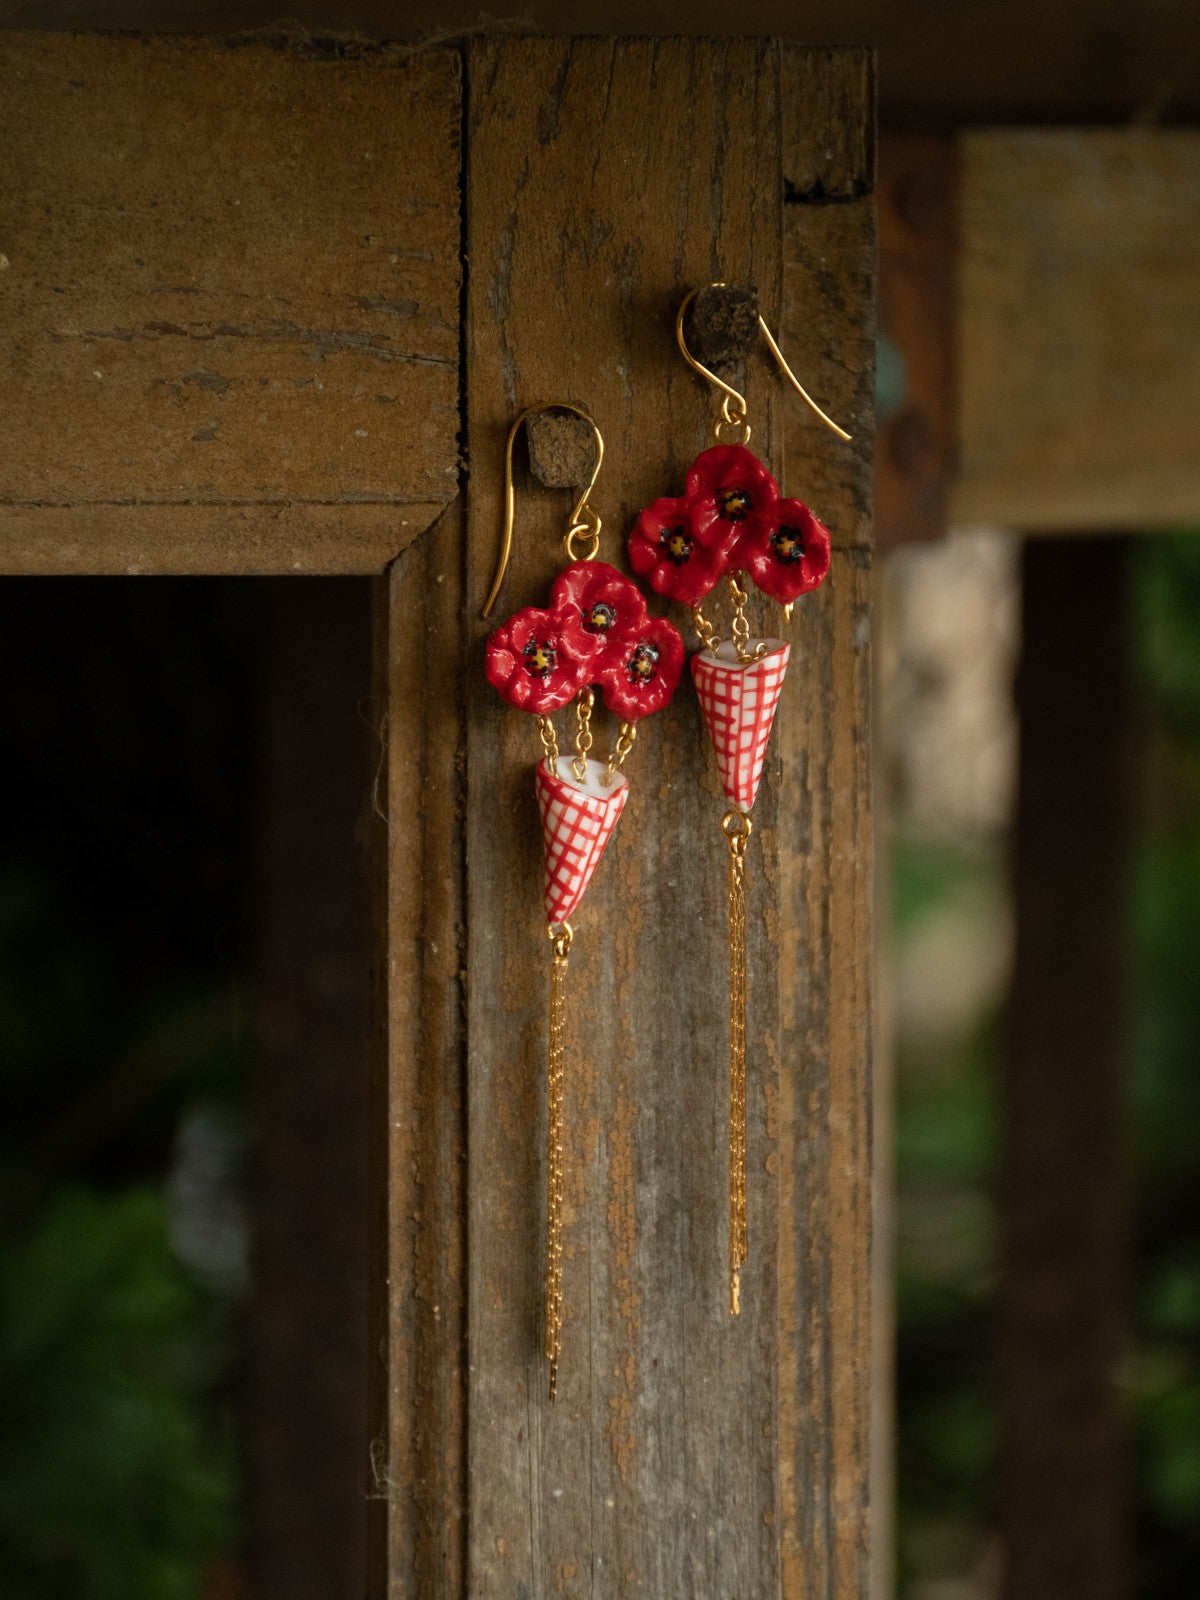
<point x="562" y="449"/>
<point x="721" y="326"/>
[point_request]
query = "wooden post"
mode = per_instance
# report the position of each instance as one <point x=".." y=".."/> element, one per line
<point x="1063" y="1503"/>
<point x="825" y="853"/>
<point x="686" y="1450"/>
<point x="602" y="181"/>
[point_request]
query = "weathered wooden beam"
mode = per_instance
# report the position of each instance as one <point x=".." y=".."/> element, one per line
<point x="825" y="852"/>
<point x="829" y="125"/>
<point x="660" y="1464"/>
<point x="228" y="304"/>
<point x="418" y="1339"/>
<point x="1082" y="61"/>
<point x="603" y="180"/>
<point x="1079" y="329"/>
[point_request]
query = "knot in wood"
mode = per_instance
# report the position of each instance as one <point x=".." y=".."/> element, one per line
<point x="721" y="326"/>
<point x="562" y="449"/>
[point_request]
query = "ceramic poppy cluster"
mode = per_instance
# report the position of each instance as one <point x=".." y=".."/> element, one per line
<point x="595" y="631"/>
<point x="731" y="518"/>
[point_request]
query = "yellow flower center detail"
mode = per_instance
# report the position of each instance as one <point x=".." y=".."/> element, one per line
<point x="734" y="504"/>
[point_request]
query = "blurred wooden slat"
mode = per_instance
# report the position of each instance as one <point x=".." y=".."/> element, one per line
<point x="1065" y="1514"/>
<point x="1079" y="329"/>
<point x="915" y="463"/>
<point x="226" y="286"/>
<point x="306" y="1439"/>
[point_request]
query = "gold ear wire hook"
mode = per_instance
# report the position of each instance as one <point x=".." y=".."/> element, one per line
<point x="797" y="385"/>
<point x="584" y="519"/>
<point x="733" y="405"/>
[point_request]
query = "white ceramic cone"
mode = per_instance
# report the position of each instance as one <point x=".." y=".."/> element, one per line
<point x="738" y="700"/>
<point x="577" y="822"/>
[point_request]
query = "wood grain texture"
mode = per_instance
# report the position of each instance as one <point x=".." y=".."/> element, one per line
<point x="829" y="123"/>
<point x="135" y="540"/>
<point x="230" y="278"/>
<point x="418" y="1297"/>
<point x="603" y="180"/>
<point x="825" y="857"/>
<point x="688" y="1454"/>
<point x="1079" y="329"/>
<point x="829" y="339"/>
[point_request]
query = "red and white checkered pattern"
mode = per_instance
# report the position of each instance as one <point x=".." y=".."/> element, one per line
<point x="738" y="702"/>
<point x="577" y="822"/>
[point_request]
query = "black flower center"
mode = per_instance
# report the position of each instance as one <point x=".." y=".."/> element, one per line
<point x="787" y="544"/>
<point x="676" y="545"/>
<point x="642" y="665"/>
<point x="540" y="658"/>
<point x="735" y="505"/>
<point x="599" y="618"/>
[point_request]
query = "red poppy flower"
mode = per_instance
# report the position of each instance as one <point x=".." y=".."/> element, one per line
<point x="679" y="555"/>
<point x="646" y="678"/>
<point x="788" y="554"/>
<point x="535" y="662"/>
<point x="730" y="491"/>
<point x="605" y="611"/>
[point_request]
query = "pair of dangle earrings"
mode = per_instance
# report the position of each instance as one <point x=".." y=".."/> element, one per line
<point x="731" y="523"/>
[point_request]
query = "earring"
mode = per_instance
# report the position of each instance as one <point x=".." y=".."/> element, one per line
<point x="596" y="630"/>
<point x="731" y="522"/>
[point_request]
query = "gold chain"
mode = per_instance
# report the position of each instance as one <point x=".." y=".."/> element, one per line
<point x="624" y="744"/>
<point x="736" y="827"/>
<point x="705" y="629"/>
<point x="560" y="939"/>
<point x="741" y="627"/>
<point x="583" y="732"/>
<point x="549" y="742"/>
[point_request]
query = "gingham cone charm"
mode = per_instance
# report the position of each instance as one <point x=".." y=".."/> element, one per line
<point x="738" y="700"/>
<point x="578" y="818"/>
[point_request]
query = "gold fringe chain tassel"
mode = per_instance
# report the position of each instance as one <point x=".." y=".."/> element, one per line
<point x="736" y="827"/>
<point x="560" y="940"/>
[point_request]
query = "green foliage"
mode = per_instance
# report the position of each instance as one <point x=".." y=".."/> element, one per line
<point x="1164" y="1056"/>
<point x="947" y="1133"/>
<point x="1166" y="628"/>
<point x="929" y="875"/>
<point x="112" y="1482"/>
